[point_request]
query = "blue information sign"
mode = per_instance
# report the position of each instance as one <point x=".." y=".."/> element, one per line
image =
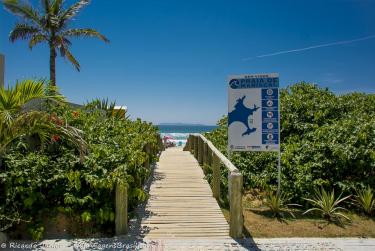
<point x="253" y="113"/>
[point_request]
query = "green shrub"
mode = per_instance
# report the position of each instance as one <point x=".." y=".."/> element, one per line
<point x="326" y="139"/>
<point x="58" y="177"/>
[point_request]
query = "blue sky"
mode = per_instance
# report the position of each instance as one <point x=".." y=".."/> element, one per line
<point x="168" y="61"/>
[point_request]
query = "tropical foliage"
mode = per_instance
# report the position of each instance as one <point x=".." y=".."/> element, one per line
<point x="58" y="179"/>
<point x="365" y="199"/>
<point x="50" y="25"/>
<point x="277" y="204"/>
<point x="18" y="121"/>
<point x="327" y="204"/>
<point x="327" y="140"/>
<point x="109" y="108"/>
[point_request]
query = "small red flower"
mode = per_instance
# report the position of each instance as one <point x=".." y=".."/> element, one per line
<point x="55" y="138"/>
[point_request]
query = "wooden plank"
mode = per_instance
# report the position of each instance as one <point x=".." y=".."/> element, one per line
<point x="180" y="201"/>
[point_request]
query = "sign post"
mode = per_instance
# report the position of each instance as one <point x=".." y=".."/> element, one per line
<point x="2" y="63"/>
<point x="254" y="114"/>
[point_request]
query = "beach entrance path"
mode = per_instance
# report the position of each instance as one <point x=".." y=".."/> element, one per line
<point x="180" y="203"/>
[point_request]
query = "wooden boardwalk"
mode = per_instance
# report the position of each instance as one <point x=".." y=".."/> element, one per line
<point x="181" y="203"/>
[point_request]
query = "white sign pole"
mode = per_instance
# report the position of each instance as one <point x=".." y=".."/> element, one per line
<point x="228" y="148"/>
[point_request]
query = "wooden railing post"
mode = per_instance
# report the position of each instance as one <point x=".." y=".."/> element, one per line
<point x="196" y="147"/>
<point x="121" y="220"/>
<point x="147" y="161"/>
<point x="191" y="143"/>
<point x="205" y="153"/>
<point x="209" y="156"/>
<point x="200" y="151"/>
<point x="187" y="145"/>
<point x="215" y="176"/>
<point x="235" y="181"/>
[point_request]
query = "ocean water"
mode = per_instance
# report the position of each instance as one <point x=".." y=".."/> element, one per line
<point x="180" y="133"/>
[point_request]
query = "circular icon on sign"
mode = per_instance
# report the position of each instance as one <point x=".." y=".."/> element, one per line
<point x="269" y="114"/>
<point x="269" y="103"/>
<point x="269" y="91"/>
<point x="269" y="136"/>
<point x="234" y="83"/>
<point x="269" y="125"/>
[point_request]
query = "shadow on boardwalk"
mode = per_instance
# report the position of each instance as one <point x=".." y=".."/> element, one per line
<point x="138" y="232"/>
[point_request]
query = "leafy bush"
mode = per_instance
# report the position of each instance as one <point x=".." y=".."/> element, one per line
<point x="327" y="140"/>
<point x="59" y="178"/>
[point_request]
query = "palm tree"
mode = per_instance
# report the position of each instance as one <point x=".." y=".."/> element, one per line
<point x="50" y="25"/>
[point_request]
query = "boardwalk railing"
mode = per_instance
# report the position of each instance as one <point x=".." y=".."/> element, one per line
<point x="121" y="197"/>
<point x="207" y="154"/>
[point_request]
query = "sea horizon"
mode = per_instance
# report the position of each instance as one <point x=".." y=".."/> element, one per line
<point x="179" y="132"/>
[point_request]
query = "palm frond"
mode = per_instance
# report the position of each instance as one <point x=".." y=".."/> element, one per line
<point x="9" y="106"/>
<point x="23" y="31"/>
<point x="23" y="10"/>
<point x="38" y="122"/>
<point x="56" y="6"/>
<point x="109" y="108"/>
<point x="29" y="90"/>
<point x="36" y="39"/>
<point x="66" y="41"/>
<point x="14" y="98"/>
<point x="73" y="10"/>
<point x="19" y="127"/>
<point x="46" y="6"/>
<point x="66" y="53"/>
<point x="86" y="32"/>
<point x="16" y="122"/>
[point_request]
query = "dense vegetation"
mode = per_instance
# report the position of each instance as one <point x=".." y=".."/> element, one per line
<point x="327" y="140"/>
<point x="42" y="177"/>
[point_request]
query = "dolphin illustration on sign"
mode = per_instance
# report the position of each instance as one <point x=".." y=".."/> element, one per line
<point x="241" y="114"/>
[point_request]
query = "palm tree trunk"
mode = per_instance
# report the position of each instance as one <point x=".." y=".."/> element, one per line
<point x="52" y="65"/>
